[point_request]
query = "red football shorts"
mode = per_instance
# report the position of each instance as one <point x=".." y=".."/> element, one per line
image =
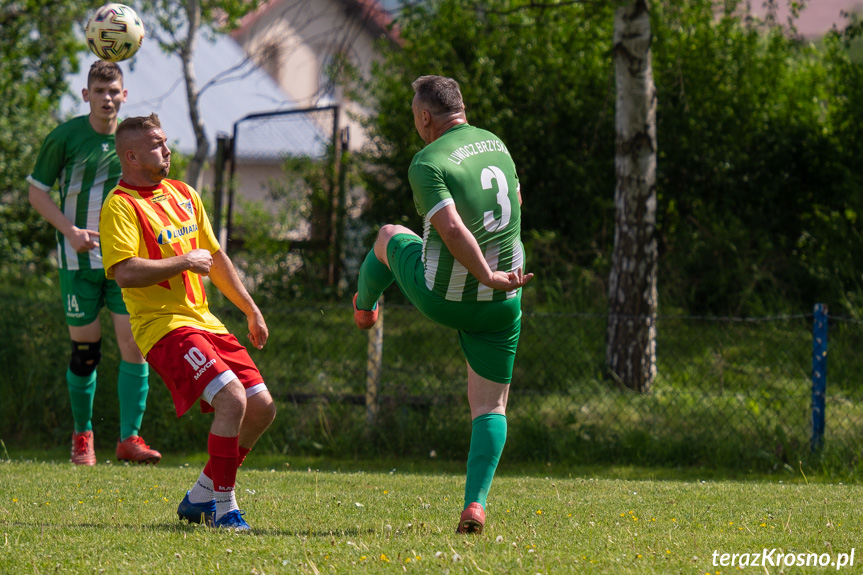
<point x="196" y="364"/>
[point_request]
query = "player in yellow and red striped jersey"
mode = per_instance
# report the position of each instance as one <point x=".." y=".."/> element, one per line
<point x="157" y="243"/>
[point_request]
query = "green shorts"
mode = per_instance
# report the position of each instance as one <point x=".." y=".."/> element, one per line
<point x="85" y="292"/>
<point x="487" y="331"/>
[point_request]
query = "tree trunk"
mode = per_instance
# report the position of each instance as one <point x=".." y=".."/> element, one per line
<point x="195" y="170"/>
<point x="631" y="345"/>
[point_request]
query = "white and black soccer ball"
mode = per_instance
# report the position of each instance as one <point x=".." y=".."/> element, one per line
<point x="114" y="32"/>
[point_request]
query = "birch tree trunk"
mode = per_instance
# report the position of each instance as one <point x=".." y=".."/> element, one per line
<point x="631" y="338"/>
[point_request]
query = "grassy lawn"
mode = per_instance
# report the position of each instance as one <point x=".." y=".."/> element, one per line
<point x="356" y="517"/>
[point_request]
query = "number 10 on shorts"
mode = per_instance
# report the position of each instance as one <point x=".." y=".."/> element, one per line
<point x="195" y="358"/>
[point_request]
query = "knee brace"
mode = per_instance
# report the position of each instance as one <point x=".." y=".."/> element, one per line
<point x="85" y="357"/>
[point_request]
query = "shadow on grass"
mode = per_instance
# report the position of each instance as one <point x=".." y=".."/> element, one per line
<point x="268" y="462"/>
<point x="180" y="527"/>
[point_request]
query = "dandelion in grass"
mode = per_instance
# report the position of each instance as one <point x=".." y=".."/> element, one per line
<point x="539" y="511"/>
<point x="384" y="558"/>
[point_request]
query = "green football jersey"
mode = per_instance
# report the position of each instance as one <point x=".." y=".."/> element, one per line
<point x="87" y="167"/>
<point x="472" y="169"/>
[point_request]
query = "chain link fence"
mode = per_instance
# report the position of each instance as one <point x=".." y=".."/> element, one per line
<point x="287" y="168"/>
<point x="729" y="390"/>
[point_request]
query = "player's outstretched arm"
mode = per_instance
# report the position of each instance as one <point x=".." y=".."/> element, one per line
<point x="224" y="277"/>
<point x="137" y="272"/>
<point x="81" y="240"/>
<point x="466" y="250"/>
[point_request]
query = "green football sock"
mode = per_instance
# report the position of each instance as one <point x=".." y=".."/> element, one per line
<point x="374" y="278"/>
<point x="82" y="389"/>
<point x="486" y="444"/>
<point x="132" y="389"/>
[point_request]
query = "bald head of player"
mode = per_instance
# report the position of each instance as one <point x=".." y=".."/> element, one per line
<point x="143" y="150"/>
<point x="437" y="106"/>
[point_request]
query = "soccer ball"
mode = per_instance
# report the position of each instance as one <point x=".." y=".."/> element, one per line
<point x="114" y="32"/>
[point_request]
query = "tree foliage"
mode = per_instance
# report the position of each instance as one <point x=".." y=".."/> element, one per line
<point x="757" y="173"/>
<point x="176" y="26"/>
<point x="38" y="49"/>
<point x="539" y="79"/>
<point x="758" y="193"/>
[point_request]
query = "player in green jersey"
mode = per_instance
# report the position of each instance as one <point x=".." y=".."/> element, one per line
<point x="80" y="155"/>
<point x="466" y="272"/>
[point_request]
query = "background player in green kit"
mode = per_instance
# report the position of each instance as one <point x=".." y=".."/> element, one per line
<point x="466" y="272"/>
<point x="80" y="154"/>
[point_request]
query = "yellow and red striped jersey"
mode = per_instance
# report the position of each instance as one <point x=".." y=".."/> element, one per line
<point x="158" y="222"/>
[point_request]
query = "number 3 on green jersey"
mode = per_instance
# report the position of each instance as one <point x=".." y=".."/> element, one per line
<point x="491" y="224"/>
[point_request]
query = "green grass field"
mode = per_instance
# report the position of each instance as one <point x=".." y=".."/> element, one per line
<point x="56" y="518"/>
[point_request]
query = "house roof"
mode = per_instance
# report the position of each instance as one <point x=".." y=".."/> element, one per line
<point x="155" y="83"/>
<point x="816" y="17"/>
<point x="374" y="14"/>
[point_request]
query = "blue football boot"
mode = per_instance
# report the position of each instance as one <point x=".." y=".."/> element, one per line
<point x="196" y="512"/>
<point x="233" y="520"/>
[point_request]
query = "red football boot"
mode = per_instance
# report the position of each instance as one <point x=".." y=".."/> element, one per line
<point x="472" y="519"/>
<point x="364" y="319"/>
<point x="82" y="448"/>
<point x="135" y="450"/>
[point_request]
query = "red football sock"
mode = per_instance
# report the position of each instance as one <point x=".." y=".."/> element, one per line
<point x="224" y="452"/>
